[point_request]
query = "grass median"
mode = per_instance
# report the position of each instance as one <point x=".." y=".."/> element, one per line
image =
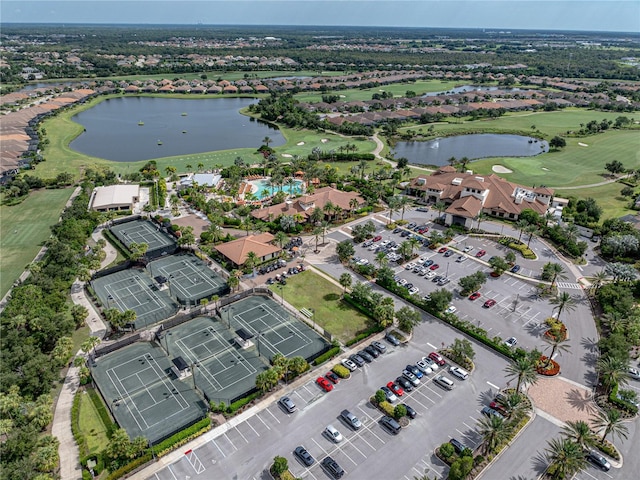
<point x="313" y="292"/>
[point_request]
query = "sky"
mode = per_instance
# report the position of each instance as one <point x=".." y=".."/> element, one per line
<point x="599" y="15"/>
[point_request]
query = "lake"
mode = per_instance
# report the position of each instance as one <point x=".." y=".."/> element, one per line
<point x="128" y="129"/>
<point x="437" y="152"/>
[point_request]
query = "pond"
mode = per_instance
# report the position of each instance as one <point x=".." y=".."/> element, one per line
<point x="437" y="152"/>
<point x="129" y="129"/>
<point x="470" y="88"/>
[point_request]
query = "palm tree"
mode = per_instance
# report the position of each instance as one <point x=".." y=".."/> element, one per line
<point x="521" y="225"/>
<point x="615" y="321"/>
<point x="328" y="208"/>
<point x="281" y="238"/>
<point x="532" y="230"/>
<point x="563" y="301"/>
<point x="515" y="404"/>
<point x="599" y="279"/>
<point x="440" y="207"/>
<point x="580" y="432"/>
<point x="494" y="430"/>
<point x="394" y="206"/>
<point x="557" y="273"/>
<point x="353" y="204"/>
<point x="612" y="371"/>
<point x="381" y="259"/>
<point x="345" y="281"/>
<point x="252" y="260"/>
<point x="233" y="281"/>
<point x="524" y="370"/>
<point x="565" y="457"/>
<point x="555" y="344"/>
<point x="480" y="217"/>
<point x="317" y="233"/>
<point x="404" y="203"/>
<point x="266" y="141"/>
<point x="611" y="422"/>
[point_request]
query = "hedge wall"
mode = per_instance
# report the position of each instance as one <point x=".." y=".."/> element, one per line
<point x="327" y="355"/>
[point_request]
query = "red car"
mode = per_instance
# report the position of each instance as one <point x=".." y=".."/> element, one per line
<point x="481" y="253"/>
<point x="499" y="408"/>
<point x="435" y="266"/>
<point x="489" y="303"/>
<point x="474" y="296"/>
<point x="324" y="383"/>
<point x="332" y="377"/>
<point x="397" y="389"/>
<point x="436" y="357"/>
<point x="442" y="250"/>
<point x="377" y="239"/>
<point x="423" y="230"/>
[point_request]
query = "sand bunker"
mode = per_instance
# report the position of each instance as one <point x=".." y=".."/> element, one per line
<point x="286" y="155"/>
<point x="300" y="143"/>
<point x="501" y="169"/>
<point x="324" y="140"/>
<point x="545" y="169"/>
<point x="583" y="144"/>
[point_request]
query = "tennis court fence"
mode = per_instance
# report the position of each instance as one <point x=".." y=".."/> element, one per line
<point x="117" y="268"/>
<point x="128" y="219"/>
<point x="118" y="344"/>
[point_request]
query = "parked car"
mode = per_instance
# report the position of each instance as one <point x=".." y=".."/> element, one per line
<point x="377" y="238"/>
<point x="467" y="249"/>
<point x="332" y="467"/>
<point x="428" y="263"/>
<point x="414" y="291"/>
<point x="459" y="372"/>
<point x="515" y="269"/>
<point x="332" y="377"/>
<point x="488" y="411"/>
<point x="415" y="370"/>
<point x="391" y="397"/>
<point x="436" y="357"/>
<point x="349" y="364"/>
<point x="511" y="342"/>
<point x="402" y="282"/>
<point x="411" y="377"/>
<point x="287" y="404"/>
<point x="431" y="363"/>
<point x="333" y="434"/>
<point x="365" y="355"/>
<point x="457" y="445"/>
<point x="390" y="424"/>
<point x="411" y="413"/>
<point x="451" y="309"/>
<point x="634" y="373"/>
<point x="325" y="384"/>
<point x="304" y="456"/>
<point x="461" y="259"/>
<point x="489" y="303"/>
<point x="389" y="337"/>
<point x="350" y="419"/>
<point x="443" y="282"/>
<point x="598" y="460"/>
<point x="449" y="253"/>
<point x="481" y="253"/>
<point x="410" y="266"/>
<point x="396" y="389"/>
<point x="435" y="266"/>
<point x="379" y="347"/>
<point x="444" y="382"/>
<point x="357" y="359"/>
<point x="442" y="250"/>
<point x="424" y="367"/>
<point x="475" y="296"/>
<point x="405" y="384"/>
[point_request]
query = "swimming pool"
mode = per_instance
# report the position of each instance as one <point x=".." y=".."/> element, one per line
<point x="258" y="188"/>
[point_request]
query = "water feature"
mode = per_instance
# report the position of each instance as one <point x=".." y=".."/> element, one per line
<point x="437" y="152"/>
<point x="259" y="186"/>
<point x="470" y="88"/>
<point x="129" y="129"/>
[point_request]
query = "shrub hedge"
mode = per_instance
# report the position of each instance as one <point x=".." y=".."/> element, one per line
<point x="387" y="408"/>
<point x="129" y="467"/>
<point x="341" y="371"/>
<point x="365" y="334"/>
<point x="326" y="356"/>
<point x="75" y="426"/>
<point x="238" y="404"/>
<point x="182" y="437"/>
<point x="621" y="404"/>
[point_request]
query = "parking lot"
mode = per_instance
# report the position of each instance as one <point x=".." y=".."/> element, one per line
<point x="518" y="311"/>
<point x="369" y="451"/>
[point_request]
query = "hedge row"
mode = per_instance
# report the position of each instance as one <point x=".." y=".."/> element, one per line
<point x="238" y="404"/>
<point x="621" y="404"/>
<point x="129" y="467"/>
<point x="326" y="356"/>
<point x="365" y="334"/>
<point x="341" y="371"/>
<point x="524" y="250"/>
<point x="75" y="427"/>
<point x="108" y="423"/>
<point x="116" y="244"/>
<point x="182" y="437"/>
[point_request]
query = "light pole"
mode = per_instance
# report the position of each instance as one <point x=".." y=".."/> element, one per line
<point x="282" y="293"/>
<point x="258" y="339"/>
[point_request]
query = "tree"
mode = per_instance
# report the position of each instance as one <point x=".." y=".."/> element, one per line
<point x="621" y="272"/>
<point x="439" y="300"/>
<point x="407" y="318"/>
<point x="345" y="281"/>
<point x="381" y="259"/>
<point x="563" y="301"/>
<point x="394" y="206"/>
<point x="287" y="223"/>
<point x="404" y="203"/>
<point x="565" y="457"/>
<point x="137" y="250"/>
<point x="472" y="283"/>
<point x="521" y="224"/>
<point x="557" y="142"/>
<point x="384" y="312"/>
<point x="266" y="141"/>
<point x="90" y="343"/>
<point x="187" y="237"/>
<point x="493" y="431"/>
<point x="406" y="250"/>
<point x="345" y="250"/>
<point x="281" y="239"/>
<point x="553" y="272"/>
<point x="252" y="260"/>
<point x="233" y="282"/>
<point x="523" y="369"/>
<point x="614" y="167"/>
<point x="461" y="349"/>
<point x="498" y="264"/>
<point x="280" y="465"/>
<point x="460" y="468"/>
<point x="612" y="371"/>
<point x="79" y="314"/>
<point x="580" y="432"/>
<point x="611" y="422"/>
<point x="556" y="345"/>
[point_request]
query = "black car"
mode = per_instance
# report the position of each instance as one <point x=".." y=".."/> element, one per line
<point x="389" y="337"/>
<point x="599" y="461"/>
<point x="457" y="445"/>
<point x="364" y="354"/>
<point x="379" y="347"/>
<point x="331" y="466"/>
<point x="304" y="456"/>
<point x="404" y="383"/>
<point x="371" y="350"/>
<point x="357" y="359"/>
<point x="411" y="413"/>
<point x="270" y="281"/>
<point x="397" y="230"/>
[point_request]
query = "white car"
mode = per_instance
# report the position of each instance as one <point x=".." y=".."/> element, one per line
<point x="511" y="342"/>
<point x="430" y="274"/>
<point x="467" y="249"/>
<point x="364" y="261"/>
<point x="333" y="433"/>
<point x="402" y="282"/>
<point x="352" y="367"/>
<point x="430" y="363"/>
<point x="424" y="367"/>
<point x="451" y="309"/>
<point x="459" y="372"/>
<point x="634" y="373"/>
<point x="414" y="291"/>
<point x="410" y="266"/>
<point x="423" y="271"/>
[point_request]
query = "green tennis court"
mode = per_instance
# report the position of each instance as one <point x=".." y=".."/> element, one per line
<point x="144" y="231"/>
<point x="189" y="278"/>
<point x="133" y="289"/>
<point x="143" y="395"/>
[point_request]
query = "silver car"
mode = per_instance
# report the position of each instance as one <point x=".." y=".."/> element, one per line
<point x="411" y="377"/>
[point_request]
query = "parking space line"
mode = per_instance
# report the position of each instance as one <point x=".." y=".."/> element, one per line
<point x="251" y="426"/>
<point x="419" y="403"/>
<point x="493" y="386"/>
<point x="219" y="449"/>
<point x="345" y="454"/>
<point x="374" y="434"/>
<point x="319" y="446"/>
<point x="269" y="412"/>
<point x="172" y="474"/>
<point x="359" y="451"/>
<point x="365" y="441"/>
<point x="432" y="390"/>
<point x="243" y="437"/>
<point x="228" y="440"/>
<point x="268" y="427"/>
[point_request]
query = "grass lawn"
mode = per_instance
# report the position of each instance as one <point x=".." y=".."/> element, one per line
<point x="91" y="425"/>
<point x="309" y="290"/>
<point x="608" y="197"/>
<point x="23" y="230"/>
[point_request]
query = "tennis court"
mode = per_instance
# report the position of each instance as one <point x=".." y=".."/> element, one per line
<point x="144" y="231"/>
<point x="223" y="370"/>
<point x="133" y="289"/>
<point x="142" y="395"/>
<point x="188" y="277"/>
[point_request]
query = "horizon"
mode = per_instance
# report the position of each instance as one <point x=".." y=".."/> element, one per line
<point x="612" y="16"/>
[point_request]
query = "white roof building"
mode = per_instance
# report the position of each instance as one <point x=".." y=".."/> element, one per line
<point x="114" y="197"/>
